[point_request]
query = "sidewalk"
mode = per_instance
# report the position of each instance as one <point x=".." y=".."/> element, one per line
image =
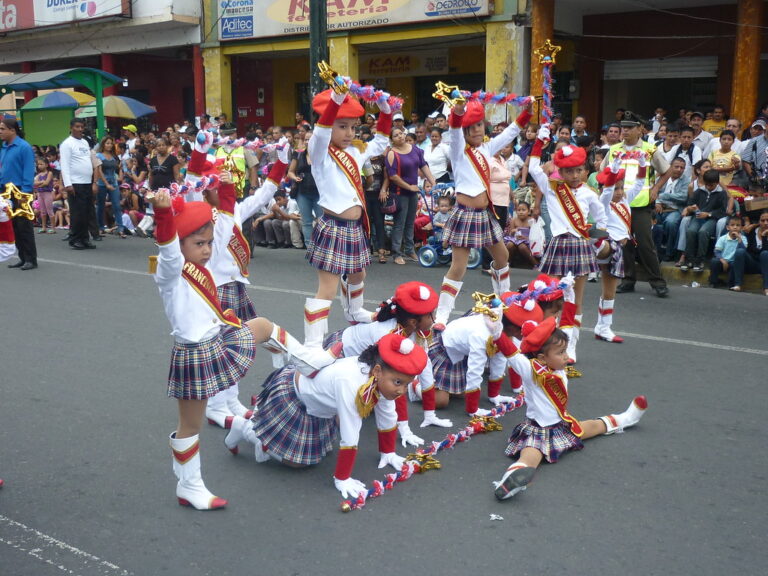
<point x="675" y="276"/>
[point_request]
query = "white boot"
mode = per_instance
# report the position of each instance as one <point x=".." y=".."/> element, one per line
<point x="234" y="404"/>
<point x="631" y="416"/>
<point x="316" y="321"/>
<point x="351" y="296"/>
<point x="573" y="339"/>
<point x="242" y="429"/>
<point x="448" y="292"/>
<point x="218" y="412"/>
<point x="515" y="479"/>
<point x="307" y="360"/>
<point x="500" y="280"/>
<point x="190" y="490"/>
<point x="604" y="320"/>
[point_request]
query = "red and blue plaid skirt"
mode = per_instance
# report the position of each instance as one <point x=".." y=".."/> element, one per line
<point x="552" y="441"/>
<point x="234" y="295"/>
<point x="568" y="253"/>
<point x="339" y="246"/>
<point x="332" y="339"/>
<point x="203" y="369"/>
<point x="471" y="228"/>
<point x="615" y="261"/>
<point x="285" y="429"/>
<point x="450" y="377"/>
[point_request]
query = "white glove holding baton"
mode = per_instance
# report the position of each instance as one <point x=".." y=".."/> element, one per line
<point x="349" y="488"/>
<point x="392" y="459"/>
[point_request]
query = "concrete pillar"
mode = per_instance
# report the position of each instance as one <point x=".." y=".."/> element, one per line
<point x="542" y="27"/>
<point x="108" y="65"/>
<point x="343" y="57"/>
<point x="26" y="68"/>
<point x="218" y="82"/>
<point x="746" y="60"/>
<point x="506" y="64"/>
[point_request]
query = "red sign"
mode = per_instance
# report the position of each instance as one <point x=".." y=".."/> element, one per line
<point x="16" y="15"/>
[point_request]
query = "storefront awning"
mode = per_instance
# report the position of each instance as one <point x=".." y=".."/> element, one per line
<point x="693" y="67"/>
<point x="91" y="78"/>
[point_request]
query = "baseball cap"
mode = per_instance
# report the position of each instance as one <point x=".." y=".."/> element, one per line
<point x="131" y="128"/>
<point x="398" y="116"/>
<point x="227" y="128"/>
<point x="759" y="124"/>
<point x="697" y="113"/>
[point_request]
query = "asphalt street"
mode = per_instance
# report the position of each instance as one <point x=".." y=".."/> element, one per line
<point x="89" y="490"/>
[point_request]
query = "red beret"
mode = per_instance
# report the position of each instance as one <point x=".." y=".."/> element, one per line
<point x="474" y="112"/>
<point x="191" y="216"/>
<point x="521" y="311"/>
<point x="534" y="335"/>
<point x="416" y="298"/>
<point x="351" y="107"/>
<point x="570" y="156"/>
<point x="543" y="281"/>
<point x="402" y="354"/>
<point x="608" y="178"/>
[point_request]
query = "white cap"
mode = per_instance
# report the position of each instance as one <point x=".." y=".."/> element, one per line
<point x="398" y="116"/>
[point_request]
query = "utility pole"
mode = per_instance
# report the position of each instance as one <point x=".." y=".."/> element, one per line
<point x="318" y="42"/>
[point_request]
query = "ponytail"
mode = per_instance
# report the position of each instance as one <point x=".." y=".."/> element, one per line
<point x="389" y="309"/>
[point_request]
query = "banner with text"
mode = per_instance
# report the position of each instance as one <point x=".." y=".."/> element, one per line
<point x="30" y="14"/>
<point x="416" y="63"/>
<point x="240" y="19"/>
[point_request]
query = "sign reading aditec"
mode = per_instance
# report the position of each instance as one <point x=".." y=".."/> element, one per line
<point x="249" y="19"/>
<point x="28" y="14"/>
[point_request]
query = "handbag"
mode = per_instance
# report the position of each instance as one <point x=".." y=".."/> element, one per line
<point x="389" y="206"/>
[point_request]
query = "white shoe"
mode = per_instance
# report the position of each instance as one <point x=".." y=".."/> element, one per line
<point x="190" y="489"/>
<point x="242" y="429"/>
<point x="234" y="404"/>
<point x="616" y="423"/>
<point x="217" y="411"/>
<point x="431" y="419"/>
<point x="604" y="332"/>
<point x="308" y="360"/>
<point x="515" y="479"/>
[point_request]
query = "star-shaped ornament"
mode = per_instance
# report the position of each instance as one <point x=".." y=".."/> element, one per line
<point x="547" y="53"/>
<point x="447" y="94"/>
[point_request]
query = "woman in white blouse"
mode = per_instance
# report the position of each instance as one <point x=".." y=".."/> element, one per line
<point x="436" y="155"/>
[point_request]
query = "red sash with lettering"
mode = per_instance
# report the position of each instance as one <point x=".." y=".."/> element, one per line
<point x="570" y="206"/>
<point x="557" y="393"/>
<point x="483" y="169"/>
<point x="624" y="213"/>
<point x="352" y="172"/>
<point x="201" y="280"/>
<point x="239" y="248"/>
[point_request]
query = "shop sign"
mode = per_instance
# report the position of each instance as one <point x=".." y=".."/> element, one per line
<point x="418" y="63"/>
<point x="29" y="14"/>
<point x="244" y="19"/>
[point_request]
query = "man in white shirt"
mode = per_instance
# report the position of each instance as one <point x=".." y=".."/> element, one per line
<point x="130" y="136"/>
<point x="687" y="150"/>
<point x="77" y="176"/>
<point x="700" y="137"/>
<point x="734" y="126"/>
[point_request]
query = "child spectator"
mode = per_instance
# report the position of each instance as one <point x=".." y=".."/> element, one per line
<point x="597" y="158"/>
<point x="444" y="205"/>
<point x="517" y="235"/>
<point x="707" y="205"/>
<point x="725" y="253"/>
<point x="129" y="208"/>
<point x="688" y="150"/>
<point x="60" y="207"/>
<point x="755" y="259"/>
<point x="725" y="160"/>
<point x="43" y="187"/>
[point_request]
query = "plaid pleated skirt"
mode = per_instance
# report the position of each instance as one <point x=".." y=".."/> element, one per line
<point x="450" y="377"/>
<point x="568" y="253"/>
<point x="203" y="369"/>
<point x="471" y="228"/>
<point x="234" y="295"/>
<point x="285" y="429"/>
<point x="333" y="338"/>
<point x="615" y="261"/>
<point x="339" y="246"/>
<point x="552" y="441"/>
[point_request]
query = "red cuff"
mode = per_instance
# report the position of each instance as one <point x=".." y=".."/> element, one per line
<point x="454" y="120"/>
<point x="471" y="401"/>
<point x="277" y="173"/>
<point x="568" y="315"/>
<point x="515" y="380"/>
<point x="345" y="462"/>
<point x="165" y="225"/>
<point x="384" y="123"/>
<point x="329" y="116"/>
<point x="227" y="198"/>
<point x="387" y="440"/>
<point x="523" y="119"/>
<point x="401" y="407"/>
<point x="537" y="147"/>
<point x="428" y="399"/>
<point x="506" y="346"/>
<point x="641" y="172"/>
<point x="494" y="387"/>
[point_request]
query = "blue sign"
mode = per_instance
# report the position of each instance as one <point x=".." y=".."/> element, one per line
<point x="237" y="27"/>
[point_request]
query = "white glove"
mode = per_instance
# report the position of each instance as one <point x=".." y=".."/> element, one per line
<point x="4" y="205"/>
<point x="496" y="400"/>
<point x="481" y="412"/>
<point x="350" y="487"/>
<point x="568" y="293"/>
<point x="392" y="459"/>
<point x="284" y="153"/>
<point x="430" y="419"/>
<point x="338" y="98"/>
<point x="407" y="437"/>
<point x="383" y="103"/>
<point x="543" y="133"/>
<point x="616" y="164"/>
<point x="643" y="160"/>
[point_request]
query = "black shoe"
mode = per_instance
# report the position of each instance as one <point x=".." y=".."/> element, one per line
<point x="273" y="246"/>
<point x="98" y="239"/>
<point x="29" y="266"/>
<point x="289" y="245"/>
<point x="77" y="245"/>
<point x="625" y="288"/>
<point x="67" y="237"/>
<point x="261" y="244"/>
<point x="18" y="264"/>
<point x="661" y="291"/>
<point x="89" y="245"/>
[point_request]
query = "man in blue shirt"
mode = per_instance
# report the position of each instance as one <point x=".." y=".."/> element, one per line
<point x="17" y="166"/>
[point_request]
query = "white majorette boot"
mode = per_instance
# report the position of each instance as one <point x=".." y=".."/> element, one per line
<point x="217" y="410"/>
<point x="449" y="290"/>
<point x="190" y="490"/>
<point x="234" y="404"/>
<point x="604" y="320"/>
<point x="242" y="429"/>
<point x="515" y="479"/>
<point x="573" y="338"/>
<point x="500" y="280"/>
<point x="307" y="360"/>
<point x="316" y="321"/>
<point x="351" y="296"/>
<point x="631" y="416"/>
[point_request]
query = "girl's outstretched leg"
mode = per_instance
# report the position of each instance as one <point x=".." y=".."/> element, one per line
<point x="517" y="476"/>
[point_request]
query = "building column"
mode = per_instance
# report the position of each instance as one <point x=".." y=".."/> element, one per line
<point x="108" y="65"/>
<point x="26" y="68"/>
<point x="218" y="82"/>
<point x="505" y="70"/>
<point x="542" y="27"/>
<point x="746" y="61"/>
<point x="343" y="56"/>
<point x="198" y="72"/>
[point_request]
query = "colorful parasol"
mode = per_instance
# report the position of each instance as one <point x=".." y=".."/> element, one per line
<point x="58" y="99"/>
<point x="117" y="107"/>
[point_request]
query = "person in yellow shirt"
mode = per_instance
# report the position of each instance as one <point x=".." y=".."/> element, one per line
<point x="725" y="160"/>
<point x="716" y="124"/>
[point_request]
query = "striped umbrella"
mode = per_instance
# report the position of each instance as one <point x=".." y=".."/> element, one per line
<point x="57" y="99"/>
<point x="117" y="107"/>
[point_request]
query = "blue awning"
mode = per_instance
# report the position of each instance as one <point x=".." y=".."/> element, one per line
<point x="52" y="79"/>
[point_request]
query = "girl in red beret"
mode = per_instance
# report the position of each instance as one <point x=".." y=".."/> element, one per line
<point x="298" y="417"/>
<point x="409" y="313"/>
<point x="517" y="312"/>
<point x="570" y="203"/>
<point x="548" y="430"/>
<point x="213" y="348"/>
<point x="472" y="222"/>
<point x="339" y="248"/>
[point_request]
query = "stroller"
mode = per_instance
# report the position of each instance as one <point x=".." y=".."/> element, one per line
<point x="432" y="253"/>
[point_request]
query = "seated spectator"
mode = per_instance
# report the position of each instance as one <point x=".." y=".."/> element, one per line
<point x="517" y="236"/>
<point x="579" y="129"/>
<point x="755" y="259"/>
<point x="716" y="124"/>
<point x="725" y="160"/>
<point x="597" y="158"/>
<point x="725" y="254"/>
<point x="60" y="206"/>
<point x="669" y="211"/>
<point x="671" y="140"/>
<point x="687" y="150"/>
<point x="444" y="207"/>
<point x="707" y="206"/>
<point x="129" y="204"/>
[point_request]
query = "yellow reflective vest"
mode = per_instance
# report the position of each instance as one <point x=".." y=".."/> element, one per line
<point x="630" y="167"/>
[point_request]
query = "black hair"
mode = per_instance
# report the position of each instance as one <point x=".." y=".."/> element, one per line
<point x="680" y="158"/>
<point x="673" y="127"/>
<point x="547" y="305"/>
<point x="441" y="115"/>
<point x="519" y="202"/>
<point x="389" y="309"/>
<point x="371" y="357"/>
<point x="736" y="217"/>
<point x="12" y="124"/>
<point x="728" y="133"/>
<point x="711" y="177"/>
<point x="451" y="199"/>
<point x="686" y="129"/>
<point x="557" y="337"/>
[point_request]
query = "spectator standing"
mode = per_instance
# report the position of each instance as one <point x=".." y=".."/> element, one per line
<point x="106" y="174"/>
<point x="77" y="176"/>
<point x="717" y="123"/>
<point x="734" y="126"/>
<point x="374" y="171"/>
<point x="687" y="150"/>
<point x="500" y="191"/>
<point x="164" y="166"/>
<point x="131" y="139"/>
<point x="725" y="160"/>
<point x="44" y="191"/>
<point x="307" y="195"/>
<point x="420" y="132"/>
<point x="579" y="129"/>
<point x="17" y="167"/>
<point x="436" y="155"/>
